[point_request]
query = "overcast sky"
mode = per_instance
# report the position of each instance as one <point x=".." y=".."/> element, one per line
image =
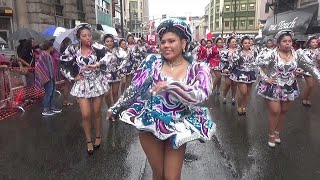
<point x="177" y="7"/>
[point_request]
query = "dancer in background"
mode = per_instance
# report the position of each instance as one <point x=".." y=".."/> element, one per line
<point x="214" y="63"/>
<point x="201" y="51"/>
<point x="123" y="55"/>
<point x="313" y="52"/>
<point x="131" y="62"/>
<point x="253" y="45"/>
<point x="112" y="72"/>
<point x="279" y="84"/>
<point x="138" y="54"/>
<point x="88" y="87"/>
<point x="67" y="84"/>
<point x="158" y="102"/>
<point x="228" y="57"/>
<point x="244" y="73"/>
<point x="268" y="46"/>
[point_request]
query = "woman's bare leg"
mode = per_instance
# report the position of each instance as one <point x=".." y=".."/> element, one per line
<point x="154" y="150"/>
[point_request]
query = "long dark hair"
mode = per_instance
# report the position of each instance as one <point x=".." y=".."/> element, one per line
<point x="28" y="44"/>
<point x="81" y="29"/>
<point x="282" y="36"/>
<point x="65" y="43"/>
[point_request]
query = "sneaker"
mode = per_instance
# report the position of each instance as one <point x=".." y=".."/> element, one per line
<point x="47" y="113"/>
<point x="56" y="110"/>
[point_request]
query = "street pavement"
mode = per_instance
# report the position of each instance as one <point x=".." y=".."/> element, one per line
<point x="36" y="147"/>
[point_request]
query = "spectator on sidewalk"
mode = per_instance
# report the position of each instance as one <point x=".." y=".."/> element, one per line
<point x="45" y="77"/>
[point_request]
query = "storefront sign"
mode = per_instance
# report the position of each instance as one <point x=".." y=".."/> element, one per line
<point x="283" y="25"/>
<point x="6" y="11"/>
<point x="297" y="20"/>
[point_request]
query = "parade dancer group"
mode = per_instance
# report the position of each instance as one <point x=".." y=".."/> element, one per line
<point x="276" y="67"/>
<point x="161" y="94"/>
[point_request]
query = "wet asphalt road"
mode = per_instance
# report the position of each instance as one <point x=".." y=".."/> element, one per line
<point x="34" y="147"/>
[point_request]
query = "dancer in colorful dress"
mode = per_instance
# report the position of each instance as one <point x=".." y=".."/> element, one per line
<point x="253" y="45"/>
<point x="244" y="73"/>
<point x="138" y="54"/>
<point x="123" y="55"/>
<point x="268" y="47"/>
<point x="228" y="57"/>
<point x="214" y="62"/>
<point x="279" y="84"/>
<point x="313" y="52"/>
<point x="201" y="51"/>
<point x="163" y="101"/>
<point x="88" y="87"/>
<point x="67" y="84"/>
<point x="131" y="62"/>
<point x="111" y="71"/>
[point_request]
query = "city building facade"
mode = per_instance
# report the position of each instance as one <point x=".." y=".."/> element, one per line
<point x="38" y="15"/>
<point x="104" y="12"/>
<point x="201" y="29"/>
<point x="228" y="16"/>
<point x="136" y="12"/>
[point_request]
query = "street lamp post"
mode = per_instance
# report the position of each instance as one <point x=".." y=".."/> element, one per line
<point x="121" y="18"/>
<point x="235" y="16"/>
<point x="135" y="24"/>
<point x="222" y="28"/>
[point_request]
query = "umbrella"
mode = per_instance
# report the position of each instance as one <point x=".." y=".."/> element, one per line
<point x="2" y="41"/>
<point x="96" y="36"/>
<point x="27" y="33"/>
<point x="68" y="33"/>
<point x="53" y="31"/>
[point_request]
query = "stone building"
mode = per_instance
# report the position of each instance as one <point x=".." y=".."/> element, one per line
<point x="39" y="14"/>
<point x="136" y="12"/>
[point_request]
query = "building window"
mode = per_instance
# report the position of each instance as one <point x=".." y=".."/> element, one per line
<point x="250" y="22"/>
<point x="141" y="5"/>
<point x="227" y="8"/>
<point x="243" y="7"/>
<point x="59" y="9"/>
<point x="106" y="7"/>
<point x="217" y="24"/>
<point x="80" y="5"/>
<point x="251" y="6"/>
<point x="242" y="23"/>
<point x="226" y="24"/>
<point x="133" y="5"/>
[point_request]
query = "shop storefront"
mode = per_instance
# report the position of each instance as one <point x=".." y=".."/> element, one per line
<point x="299" y="21"/>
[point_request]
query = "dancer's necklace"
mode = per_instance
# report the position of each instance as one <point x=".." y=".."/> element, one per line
<point x="174" y="64"/>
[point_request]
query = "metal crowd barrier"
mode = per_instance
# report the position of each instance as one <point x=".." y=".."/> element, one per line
<point x="17" y="90"/>
<point x="11" y="84"/>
